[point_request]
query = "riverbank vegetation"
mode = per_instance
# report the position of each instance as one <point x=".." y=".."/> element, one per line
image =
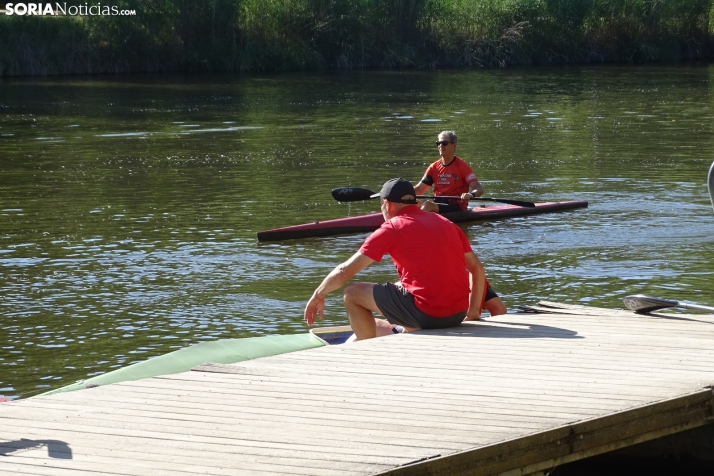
<point x="290" y="35"/>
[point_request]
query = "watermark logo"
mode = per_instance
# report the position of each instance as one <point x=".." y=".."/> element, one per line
<point x="57" y="8"/>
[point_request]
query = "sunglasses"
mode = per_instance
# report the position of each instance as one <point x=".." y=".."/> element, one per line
<point x="443" y="142"/>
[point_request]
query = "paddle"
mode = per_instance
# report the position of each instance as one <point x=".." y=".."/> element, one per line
<point x="356" y="194"/>
<point x="642" y="304"/>
<point x="710" y="184"/>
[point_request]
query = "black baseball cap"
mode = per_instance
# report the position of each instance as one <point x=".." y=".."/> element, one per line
<point x="397" y="190"/>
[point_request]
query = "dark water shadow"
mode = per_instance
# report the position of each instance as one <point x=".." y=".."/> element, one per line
<point x="55" y="448"/>
<point x="505" y="330"/>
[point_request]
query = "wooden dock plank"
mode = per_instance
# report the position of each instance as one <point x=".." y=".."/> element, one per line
<point x="306" y="439"/>
<point x="369" y="453"/>
<point x="507" y="395"/>
<point x="524" y="373"/>
<point x="341" y="412"/>
<point x="544" y="450"/>
<point x="355" y="421"/>
<point x="214" y="448"/>
<point x="214" y="463"/>
<point x="141" y="464"/>
<point x="447" y="433"/>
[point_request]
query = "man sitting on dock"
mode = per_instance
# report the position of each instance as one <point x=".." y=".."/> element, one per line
<point x="442" y="280"/>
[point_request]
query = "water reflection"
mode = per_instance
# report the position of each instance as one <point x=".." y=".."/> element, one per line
<point x="129" y="206"/>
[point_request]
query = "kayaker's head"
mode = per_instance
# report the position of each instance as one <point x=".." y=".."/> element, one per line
<point x="396" y="194"/>
<point x="446" y="144"/>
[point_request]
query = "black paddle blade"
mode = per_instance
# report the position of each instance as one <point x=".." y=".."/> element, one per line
<point x="642" y="304"/>
<point x="351" y="194"/>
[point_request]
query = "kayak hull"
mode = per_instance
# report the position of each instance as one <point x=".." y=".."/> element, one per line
<point x="332" y="335"/>
<point x="372" y="221"/>
<point x="224" y="351"/>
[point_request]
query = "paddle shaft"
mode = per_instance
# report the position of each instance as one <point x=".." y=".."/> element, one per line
<point x="455" y="197"/>
<point x="697" y="307"/>
<point x="500" y="200"/>
<point x="710" y="184"/>
<point x="357" y="194"/>
<point x="458" y="197"/>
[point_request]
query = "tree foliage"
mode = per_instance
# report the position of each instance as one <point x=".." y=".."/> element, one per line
<point x="287" y="35"/>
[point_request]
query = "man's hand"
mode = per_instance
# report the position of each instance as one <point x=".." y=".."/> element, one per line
<point x="315" y="307"/>
<point x="472" y="315"/>
<point x="466" y="196"/>
<point x="335" y="280"/>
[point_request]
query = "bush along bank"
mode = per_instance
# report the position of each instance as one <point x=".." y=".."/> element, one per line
<point x="290" y="35"/>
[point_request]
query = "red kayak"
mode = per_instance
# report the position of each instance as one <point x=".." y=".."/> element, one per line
<point x="365" y="223"/>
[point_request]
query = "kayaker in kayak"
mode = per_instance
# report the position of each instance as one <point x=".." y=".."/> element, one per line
<point x="450" y="176"/>
<point x="442" y="280"/>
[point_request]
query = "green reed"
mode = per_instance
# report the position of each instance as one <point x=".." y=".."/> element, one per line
<point x="289" y="35"/>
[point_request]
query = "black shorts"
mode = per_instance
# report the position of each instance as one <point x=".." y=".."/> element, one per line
<point x="397" y="306"/>
<point x="490" y="294"/>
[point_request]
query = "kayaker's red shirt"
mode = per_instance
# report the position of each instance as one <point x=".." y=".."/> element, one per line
<point x="452" y="179"/>
<point x="428" y="252"/>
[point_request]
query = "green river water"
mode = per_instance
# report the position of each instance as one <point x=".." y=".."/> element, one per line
<point x="129" y="205"/>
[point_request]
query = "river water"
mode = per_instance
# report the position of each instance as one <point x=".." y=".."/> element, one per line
<point x="129" y="205"/>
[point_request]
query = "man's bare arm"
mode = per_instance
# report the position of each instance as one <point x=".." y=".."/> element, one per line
<point x="476" y="188"/>
<point x="335" y="280"/>
<point x="478" y="285"/>
<point x="421" y="187"/>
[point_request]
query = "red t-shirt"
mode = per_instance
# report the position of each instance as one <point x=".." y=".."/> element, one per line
<point x="428" y="252"/>
<point x="452" y="179"/>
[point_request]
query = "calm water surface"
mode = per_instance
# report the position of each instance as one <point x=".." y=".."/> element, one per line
<point x="129" y="205"/>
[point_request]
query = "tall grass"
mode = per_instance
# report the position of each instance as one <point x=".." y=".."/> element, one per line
<point x="288" y="35"/>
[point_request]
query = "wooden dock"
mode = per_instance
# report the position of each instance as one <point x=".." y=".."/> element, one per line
<point x="515" y="394"/>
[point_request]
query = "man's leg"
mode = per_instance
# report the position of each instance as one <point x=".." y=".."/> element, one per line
<point x="495" y="306"/>
<point x="360" y="306"/>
